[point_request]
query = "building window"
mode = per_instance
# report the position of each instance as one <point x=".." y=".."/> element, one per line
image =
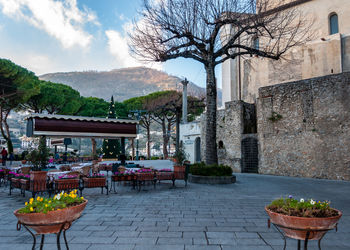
<point x="221" y="145"/>
<point x="333" y="24"/>
<point x="256" y="43"/>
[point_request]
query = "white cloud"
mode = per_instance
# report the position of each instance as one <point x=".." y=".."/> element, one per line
<point x="61" y="19"/>
<point x="118" y="47"/>
<point x="38" y="63"/>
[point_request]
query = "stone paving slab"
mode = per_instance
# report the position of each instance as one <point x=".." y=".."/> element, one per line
<point x="216" y="217"/>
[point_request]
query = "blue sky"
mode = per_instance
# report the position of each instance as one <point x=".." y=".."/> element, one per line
<point x="48" y="36"/>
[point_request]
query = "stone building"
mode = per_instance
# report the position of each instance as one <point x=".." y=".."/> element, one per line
<point x="291" y="117"/>
<point x="328" y="53"/>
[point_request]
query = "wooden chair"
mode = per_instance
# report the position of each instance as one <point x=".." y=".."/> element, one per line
<point x="38" y="182"/>
<point x="85" y="170"/>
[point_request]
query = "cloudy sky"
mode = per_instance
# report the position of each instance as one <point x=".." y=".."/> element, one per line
<point x="48" y="36"/>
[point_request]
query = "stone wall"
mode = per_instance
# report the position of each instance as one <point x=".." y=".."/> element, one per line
<point x="309" y="135"/>
<point x="229" y="134"/>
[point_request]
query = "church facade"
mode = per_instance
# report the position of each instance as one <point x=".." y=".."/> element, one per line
<point x="328" y="53"/>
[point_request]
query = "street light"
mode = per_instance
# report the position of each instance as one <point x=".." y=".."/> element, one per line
<point x="137" y="113"/>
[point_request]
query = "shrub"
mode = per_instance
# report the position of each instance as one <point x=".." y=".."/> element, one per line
<point x="154" y="158"/>
<point x="210" y="170"/>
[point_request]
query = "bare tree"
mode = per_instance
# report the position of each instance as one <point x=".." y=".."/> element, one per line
<point x="213" y="31"/>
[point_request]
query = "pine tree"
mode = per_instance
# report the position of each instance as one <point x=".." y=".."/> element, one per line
<point x="111" y="147"/>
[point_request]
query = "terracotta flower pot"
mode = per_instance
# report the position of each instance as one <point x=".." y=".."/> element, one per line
<point x="24" y="184"/>
<point x="303" y="223"/>
<point x="165" y="175"/>
<point x="145" y="176"/>
<point x="68" y="214"/>
<point x="94" y="182"/>
<point x="178" y="168"/>
<point x="66" y="184"/>
<point x="15" y="183"/>
<point x="115" y="178"/>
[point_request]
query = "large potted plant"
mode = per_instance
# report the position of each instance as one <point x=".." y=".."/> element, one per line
<point x="39" y="157"/>
<point x="303" y="219"/>
<point x="47" y="215"/>
<point x="180" y="157"/>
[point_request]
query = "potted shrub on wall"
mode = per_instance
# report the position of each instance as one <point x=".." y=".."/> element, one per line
<point x="303" y="219"/>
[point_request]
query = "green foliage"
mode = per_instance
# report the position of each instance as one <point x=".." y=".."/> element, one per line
<point x="180" y="156"/>
<point x="17" y="85"/>
<point x="111" y="148"/>
<point x="39" y="157"/>
<point x="55" y="98"/>
<point x="16" y="80"/>
<point x="302" y="208"/>
<point x="210" y="170"/>
<point x="93" y="107"/>
<point x="58" y="202"/>
<point x="275" y="117"/>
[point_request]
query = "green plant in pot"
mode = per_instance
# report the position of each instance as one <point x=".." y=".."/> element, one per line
<point x="180" y="157"/>
<point x="39" y="157"/>
<point x="303" y="219"/>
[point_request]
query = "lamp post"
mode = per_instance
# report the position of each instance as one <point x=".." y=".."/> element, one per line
<point x="137" y="113"/>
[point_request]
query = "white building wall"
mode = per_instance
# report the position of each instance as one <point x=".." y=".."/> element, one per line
<point x="188" y="134"/>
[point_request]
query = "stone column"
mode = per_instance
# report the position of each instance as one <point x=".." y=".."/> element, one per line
<point x="184" y="101"/>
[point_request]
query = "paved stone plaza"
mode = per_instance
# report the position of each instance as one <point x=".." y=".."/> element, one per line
<point x="194" y="217"/>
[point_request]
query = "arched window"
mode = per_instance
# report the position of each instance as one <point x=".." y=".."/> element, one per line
<point x="333" y="24"/>
<point x="256" y="43"/>
<point x="221" y="144"/>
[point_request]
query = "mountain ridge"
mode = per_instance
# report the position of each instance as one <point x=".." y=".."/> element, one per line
<point x="122" y="83"/>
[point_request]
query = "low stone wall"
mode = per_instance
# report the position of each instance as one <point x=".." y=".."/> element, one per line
<point x="304" y="128"/>
<point x="211" y="179"/>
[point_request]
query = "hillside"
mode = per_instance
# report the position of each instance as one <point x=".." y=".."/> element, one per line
<point x="122" y="83"/>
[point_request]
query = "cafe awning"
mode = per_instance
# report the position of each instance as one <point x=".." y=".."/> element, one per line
<point x="79" y="126"/>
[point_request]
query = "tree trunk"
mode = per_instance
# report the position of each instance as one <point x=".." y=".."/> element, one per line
<point x="148" y="142"/>
<point x="165" y="140"/>
<point x="168" y="135"/>
<point x="5" y="129"/>
<point x="93" y="142"/>
<point x="211" y="156"/>
<point x="132" y="149"/>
